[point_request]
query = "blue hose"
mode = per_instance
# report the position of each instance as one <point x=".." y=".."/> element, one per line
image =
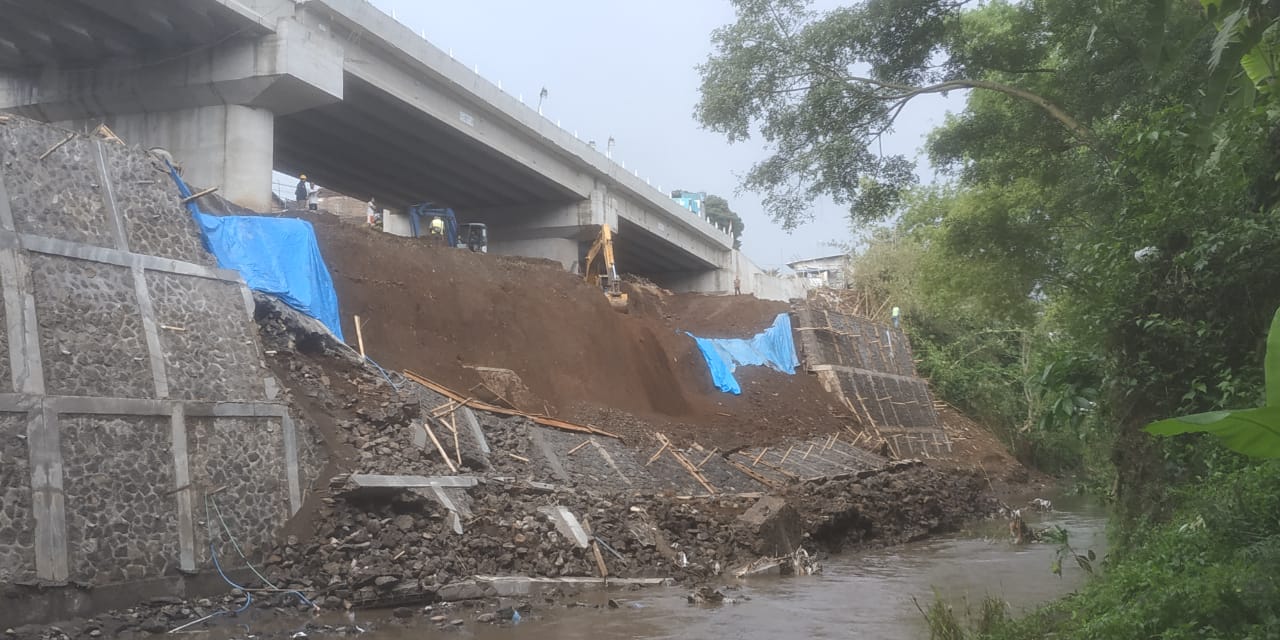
<point x="384" y="373"/>
<point x="248" y="596"/>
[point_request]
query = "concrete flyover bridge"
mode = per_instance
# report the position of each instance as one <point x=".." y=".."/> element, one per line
<point x="344" y="93"/>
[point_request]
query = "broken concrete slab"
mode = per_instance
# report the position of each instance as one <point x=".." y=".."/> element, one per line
<point x="473" y="425"/>
<point x="567" y="524"/>
<point x="775" y="526"/>
<point x="465" y="590"/>
<point x="358" y="482"/>
<point x="516" y="586"/>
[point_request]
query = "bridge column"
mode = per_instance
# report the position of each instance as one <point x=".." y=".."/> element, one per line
<point x="227" y="146"/>
<point x="555" y="231"/>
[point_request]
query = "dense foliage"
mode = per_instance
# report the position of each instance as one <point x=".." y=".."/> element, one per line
<point x="1102" y="251"/>
<point x="718" y="210"/>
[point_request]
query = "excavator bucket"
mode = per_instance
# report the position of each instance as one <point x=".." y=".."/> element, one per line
<point x="618" y="301"/>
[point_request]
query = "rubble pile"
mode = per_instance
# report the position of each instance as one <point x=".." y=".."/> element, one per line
<point x="386" y="551"/>
<point x="404" y="545"/>
<point x="907" y="502"/>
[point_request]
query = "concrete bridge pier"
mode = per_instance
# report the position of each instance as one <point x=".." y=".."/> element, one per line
<point x="225" y="145"/>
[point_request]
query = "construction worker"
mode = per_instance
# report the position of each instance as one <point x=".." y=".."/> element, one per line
<point x="437" y="231"/>
<point x="737" y="286"/>
<point x="300" y="193"/>
<point x="371" y="213"/>
<point x="897" y="315"/>
<point x="313" y="197"/>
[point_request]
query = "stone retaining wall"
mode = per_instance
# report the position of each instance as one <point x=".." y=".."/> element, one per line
<point x="131" y="379"/>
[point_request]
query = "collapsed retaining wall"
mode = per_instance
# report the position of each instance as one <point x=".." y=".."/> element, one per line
<point x="870" y="368"/>
<point x="133" y="382"/>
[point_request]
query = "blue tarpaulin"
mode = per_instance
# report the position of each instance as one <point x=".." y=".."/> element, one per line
<point x="773" y="347"/>
<point x="278" y="256"/>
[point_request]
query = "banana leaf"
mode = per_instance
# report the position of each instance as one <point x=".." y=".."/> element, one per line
<point x="1253" y="432"/>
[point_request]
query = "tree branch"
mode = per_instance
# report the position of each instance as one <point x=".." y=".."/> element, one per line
<point x="1081" y="132"/>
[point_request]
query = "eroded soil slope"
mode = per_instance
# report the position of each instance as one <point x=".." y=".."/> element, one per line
<point x="440" y="311"/>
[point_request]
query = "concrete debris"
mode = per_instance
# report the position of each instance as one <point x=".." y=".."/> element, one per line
<point x="774" y="524"/>
<point x="566" y="523"/>
<point x="798" y="563"/>
<point x="706" y="595"/>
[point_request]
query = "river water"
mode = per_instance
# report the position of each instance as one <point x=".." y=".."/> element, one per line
<point x="865" y="595"/>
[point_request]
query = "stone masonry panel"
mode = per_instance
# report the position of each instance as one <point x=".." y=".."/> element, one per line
<point x="121" y="512"/>
<point x="155" y="222"/>
<point x="312" y="454"/>
<point x="205" y="332"/>
<point x="59" y="196"/>
<point x="17" y="525"/>
<point x="242" y="460"/>
<point x="91" y="337"/>
<point x="6" y="367"/>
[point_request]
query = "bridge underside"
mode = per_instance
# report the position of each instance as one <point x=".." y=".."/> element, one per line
<point x="371" y="144"/>
<point x="66" y="32"/>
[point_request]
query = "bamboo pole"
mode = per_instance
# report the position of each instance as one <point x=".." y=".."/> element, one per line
<point x="761" y="455"/>
<point x="457" y="449"/>
<point x="595" y="549"/>
<point x="431" y="434"/>
<point x="359" y="336"/>
<point x="545" y="421"/>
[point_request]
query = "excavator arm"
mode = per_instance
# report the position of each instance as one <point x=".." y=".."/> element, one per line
<point x="607" y="269"/>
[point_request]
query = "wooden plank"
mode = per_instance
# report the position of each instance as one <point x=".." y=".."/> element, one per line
<point x="202" y="193"/>
<point x="457" y="449"/>
<point x="595" y="549"/>
<point x="779" y="469"/>
<point x="57" y="146"/>
<point x="708" y="458"/>
<point x="757" y="460"/>
<point x="575" y="449"/>
<point x="359" y="336"/>
<point x="686" y="464"/>
<point x="784" y="456"/>
<point x="431" y="434"/>
<point x="488" y="408"/>
<point x="752" y="474"/>
<point x="657" y="453"/>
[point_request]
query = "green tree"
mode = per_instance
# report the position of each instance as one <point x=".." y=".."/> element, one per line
<point x="717" y="208"/>
<point x="821" y="87"/>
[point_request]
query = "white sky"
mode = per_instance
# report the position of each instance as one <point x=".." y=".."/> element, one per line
<point x="627" y="70"/>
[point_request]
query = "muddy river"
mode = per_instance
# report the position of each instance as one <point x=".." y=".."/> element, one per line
<point x="867" y="595"/>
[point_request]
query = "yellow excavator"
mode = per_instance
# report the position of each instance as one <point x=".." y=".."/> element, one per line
<point x="602" y="271"/>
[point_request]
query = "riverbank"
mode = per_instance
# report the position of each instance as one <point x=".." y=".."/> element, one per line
<point x="866" y="588"/>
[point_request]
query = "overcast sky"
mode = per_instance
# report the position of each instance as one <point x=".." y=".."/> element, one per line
<point x="627" y="70"/>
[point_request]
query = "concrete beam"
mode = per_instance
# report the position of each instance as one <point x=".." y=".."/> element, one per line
<point x="283" y="72"/>
<point x="413" y="71"/>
